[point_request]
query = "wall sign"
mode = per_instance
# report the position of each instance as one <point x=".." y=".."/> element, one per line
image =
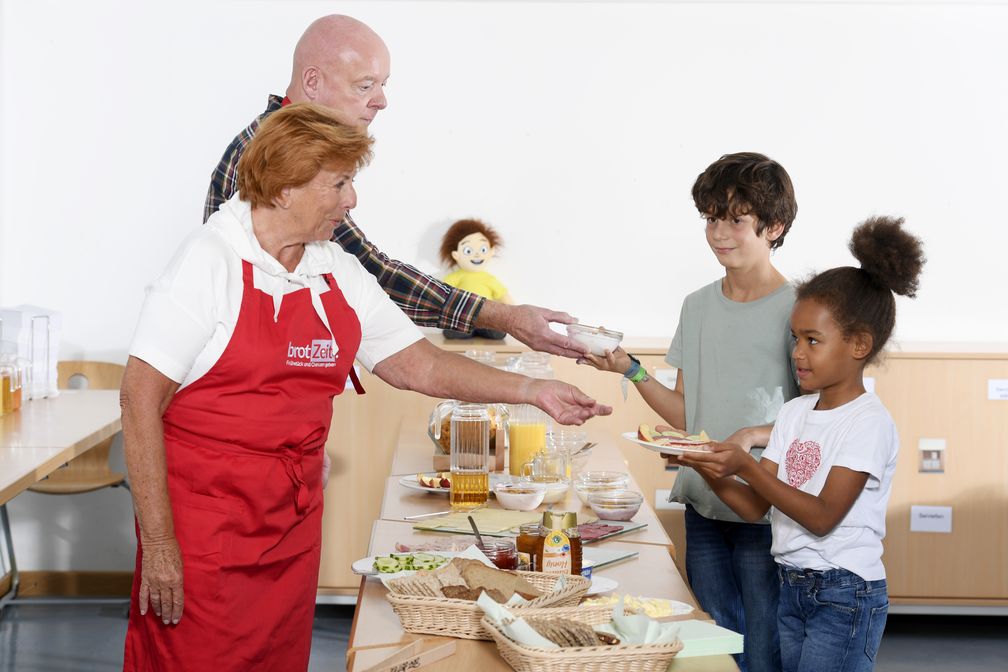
<point x="931" y="519"/>
<point x="997" y="389"/>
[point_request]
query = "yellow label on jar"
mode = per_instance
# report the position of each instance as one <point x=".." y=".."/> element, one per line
<point x="556" y="553"/>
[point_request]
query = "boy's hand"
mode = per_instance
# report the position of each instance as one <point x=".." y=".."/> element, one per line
<point x="742" y="438"/>
<point x="617" y="361"/>
<point x="724" y="459"/>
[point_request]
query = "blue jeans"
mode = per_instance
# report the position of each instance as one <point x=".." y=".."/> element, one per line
<point x="830" y="621"/>
<point x="734" y="578"/>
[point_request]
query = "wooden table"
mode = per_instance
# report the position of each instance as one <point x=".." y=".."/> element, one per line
<point x="652" y="573"/>
<point x="44" y="435"/>
<point x="47" y="433"/>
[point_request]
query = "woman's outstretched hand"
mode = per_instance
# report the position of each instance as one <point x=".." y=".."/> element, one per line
<point x="565" y="403"/>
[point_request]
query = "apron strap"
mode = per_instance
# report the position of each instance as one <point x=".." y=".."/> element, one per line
<point x="331" y="281"/>
<point x="356" y="381"/>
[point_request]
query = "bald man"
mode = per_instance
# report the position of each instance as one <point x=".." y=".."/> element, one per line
<point x="342" y="64"/>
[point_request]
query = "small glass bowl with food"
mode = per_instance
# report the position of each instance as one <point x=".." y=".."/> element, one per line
<point x="597" y="339"/>
<point x="615" y="504"/>
<point x="520" y="495"/>
<point x="590" y="482"/>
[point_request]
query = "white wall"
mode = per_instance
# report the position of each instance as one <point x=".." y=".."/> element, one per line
<point x="576" y="128"/>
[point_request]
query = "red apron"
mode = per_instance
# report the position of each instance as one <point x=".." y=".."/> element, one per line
<point x="244" y="453"/>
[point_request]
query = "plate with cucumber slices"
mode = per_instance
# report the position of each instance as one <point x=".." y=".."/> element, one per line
<point x="397" y="563"/>
<point x="394" y="565"/>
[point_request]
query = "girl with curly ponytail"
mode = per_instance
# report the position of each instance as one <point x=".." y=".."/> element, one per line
<point x="828" y="468"/>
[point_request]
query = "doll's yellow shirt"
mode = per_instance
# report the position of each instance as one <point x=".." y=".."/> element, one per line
<point x="477" y="282"/>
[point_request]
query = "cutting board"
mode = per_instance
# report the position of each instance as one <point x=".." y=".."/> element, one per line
<point x="491" y="522"/>
<point x="625" y="526"/>
<point x="602" y="557"/>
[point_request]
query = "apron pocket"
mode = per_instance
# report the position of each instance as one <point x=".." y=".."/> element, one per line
<point x="204" y="528"/>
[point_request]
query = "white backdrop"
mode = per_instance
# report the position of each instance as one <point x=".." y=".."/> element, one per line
<point x="575" y="128"/>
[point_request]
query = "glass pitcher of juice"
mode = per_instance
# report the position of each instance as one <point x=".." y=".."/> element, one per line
<point x="526" y="436"/>
<point x="527" y="425"/>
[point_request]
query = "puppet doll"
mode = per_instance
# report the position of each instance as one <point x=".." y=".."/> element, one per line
<point x="469" y="245"/>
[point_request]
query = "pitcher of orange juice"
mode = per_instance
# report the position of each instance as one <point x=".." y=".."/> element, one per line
<point x="526" y="436"/>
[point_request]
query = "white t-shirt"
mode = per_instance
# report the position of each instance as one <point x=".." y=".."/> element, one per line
<point x="190" y="312"/>
<point x="806" y="444"/>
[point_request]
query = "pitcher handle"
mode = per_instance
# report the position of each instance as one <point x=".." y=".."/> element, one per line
<point x="503" y="416"/>
<point x="435" y="419"/>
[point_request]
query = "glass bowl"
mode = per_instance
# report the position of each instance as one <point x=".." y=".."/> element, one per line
<point x="615" y="504"/>
<point x="556" y="491"/>
<point x="520" y="495"/>
<point x="591" y="482"/>
<point x="579" y="461"/>
<point x="596" y="339"/>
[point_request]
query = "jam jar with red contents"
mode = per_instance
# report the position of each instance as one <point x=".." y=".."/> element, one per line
<point x="501" y="552"/>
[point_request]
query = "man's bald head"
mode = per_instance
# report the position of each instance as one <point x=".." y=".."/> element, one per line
<point x="342" y="64"/>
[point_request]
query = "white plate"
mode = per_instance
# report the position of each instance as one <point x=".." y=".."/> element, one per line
<point x="365" y="566"/>
<point x="678" y="449"/>
<point x="601" y="584"/>
<point x="411" y="482"/>
<point x="678" y="608"/>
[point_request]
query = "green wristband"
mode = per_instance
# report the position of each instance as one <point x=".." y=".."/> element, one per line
<point x="640" y="375"/>
<point x="636" y="373"/>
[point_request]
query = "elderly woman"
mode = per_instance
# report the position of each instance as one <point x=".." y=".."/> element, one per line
<point x="227" y="400"/>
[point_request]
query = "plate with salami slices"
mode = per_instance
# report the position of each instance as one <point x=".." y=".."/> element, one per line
<point x="668" y="440"/>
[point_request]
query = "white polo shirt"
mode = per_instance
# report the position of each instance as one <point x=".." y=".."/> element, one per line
<point x="191" y="310"/>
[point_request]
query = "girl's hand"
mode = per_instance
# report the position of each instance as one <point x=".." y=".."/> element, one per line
<point x="724" y="459"/>
<point x="617" y="361"/>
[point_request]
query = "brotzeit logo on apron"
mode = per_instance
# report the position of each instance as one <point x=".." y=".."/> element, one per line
<point x="320" y="352"/>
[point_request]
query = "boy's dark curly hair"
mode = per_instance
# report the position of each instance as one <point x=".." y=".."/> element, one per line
<point x="861" y="299"/>
<point x="459" y="230"/>
<point x="747" y="183"/>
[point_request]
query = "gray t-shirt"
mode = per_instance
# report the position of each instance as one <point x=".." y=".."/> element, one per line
<point x="736" y="359"/>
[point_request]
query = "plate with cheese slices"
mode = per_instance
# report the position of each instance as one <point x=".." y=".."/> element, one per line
<point x="669" y="440"/>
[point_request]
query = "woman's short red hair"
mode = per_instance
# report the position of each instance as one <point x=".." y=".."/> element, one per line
<point x="290" y="148"/>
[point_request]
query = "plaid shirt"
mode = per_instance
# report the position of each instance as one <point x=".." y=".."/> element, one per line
<point x="427" y="301"/>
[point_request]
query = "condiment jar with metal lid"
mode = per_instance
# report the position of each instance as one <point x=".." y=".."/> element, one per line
<point x="559" y="548"/>
<point x="527" y="541"/>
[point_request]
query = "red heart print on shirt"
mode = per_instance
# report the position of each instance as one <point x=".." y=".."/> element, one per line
<point x="801" y="461"/>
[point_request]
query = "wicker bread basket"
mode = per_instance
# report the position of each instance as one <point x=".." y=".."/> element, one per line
<point x="619" y="658"/>
<point x="461" y="618"/>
